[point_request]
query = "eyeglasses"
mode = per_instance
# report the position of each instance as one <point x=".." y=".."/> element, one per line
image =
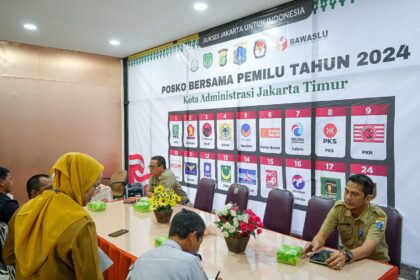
<point x="152" y="166"/>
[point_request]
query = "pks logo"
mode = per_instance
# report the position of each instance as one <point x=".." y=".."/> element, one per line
<point x="330" y="130"/>
<point x="297" y="129"/>
<point x="298" y="182"/>
<point x="271" y="179"/>
<point x="207" y="130"/>
<point x="245" y="130"/>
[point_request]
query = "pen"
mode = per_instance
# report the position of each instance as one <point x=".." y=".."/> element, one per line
<point x="217" y="275"/>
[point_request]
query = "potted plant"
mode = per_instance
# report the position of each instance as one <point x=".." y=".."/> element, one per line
<point x="162" y="201"/>
<point x="237" y="226"/>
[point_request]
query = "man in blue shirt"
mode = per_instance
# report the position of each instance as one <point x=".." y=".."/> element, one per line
<point x="177" y="258"/>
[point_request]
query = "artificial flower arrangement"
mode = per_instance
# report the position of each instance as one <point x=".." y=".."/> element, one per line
<point x="236" y="223"/>
<point x="163" y="199"/>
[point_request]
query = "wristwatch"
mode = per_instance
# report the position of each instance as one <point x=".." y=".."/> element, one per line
<point x="349" y="256"/>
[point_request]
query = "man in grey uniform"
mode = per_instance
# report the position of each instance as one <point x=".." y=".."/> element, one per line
<point x="177" y="258"/>
<point x="160" y="175"/>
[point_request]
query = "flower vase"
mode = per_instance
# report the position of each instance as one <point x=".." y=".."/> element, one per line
<point x="164" y="216"/>
<point x="237" y="245"/>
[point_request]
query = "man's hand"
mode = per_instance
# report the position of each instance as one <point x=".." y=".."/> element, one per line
<point x="311" y="247"/>
<point x="337" y="260"/>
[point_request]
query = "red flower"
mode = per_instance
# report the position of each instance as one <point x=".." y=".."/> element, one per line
<point x="251" y="227"/>
<point x="259" y="231"/>
<point x="243" y="226"/>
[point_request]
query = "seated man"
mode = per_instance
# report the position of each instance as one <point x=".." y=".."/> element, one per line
<point x="160" y="175"/>
<point x="177" y="257"/>
<point x="37" y="184"/>
<point x="8" y="206"/>
<point x="360" y="224"/>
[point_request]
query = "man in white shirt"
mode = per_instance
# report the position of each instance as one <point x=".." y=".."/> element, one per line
<point x="177" y="258"/>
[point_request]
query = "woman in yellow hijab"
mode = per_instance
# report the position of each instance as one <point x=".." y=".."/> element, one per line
<point x="52" y="236"/>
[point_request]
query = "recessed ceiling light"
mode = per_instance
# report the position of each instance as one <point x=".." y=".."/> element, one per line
<point x="114" y="42"/>
<point x="200" y="6"/>
<point x="30" y="26"/>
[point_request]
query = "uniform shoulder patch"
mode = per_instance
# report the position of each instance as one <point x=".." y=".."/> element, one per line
<point x="380" y="224"/>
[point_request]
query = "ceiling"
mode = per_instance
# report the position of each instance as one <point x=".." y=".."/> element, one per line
<point x="88" y="25"/>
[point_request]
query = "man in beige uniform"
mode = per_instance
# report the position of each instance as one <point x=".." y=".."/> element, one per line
<point x="161" y="175"/>
<point x="361" y="225"/>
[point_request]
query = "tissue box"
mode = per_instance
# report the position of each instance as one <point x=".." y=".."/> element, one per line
<point x="160" y="240"/>
<point x="96" y="206"/>
<point x="289" y="254"/>
<point x="143" y="205"/>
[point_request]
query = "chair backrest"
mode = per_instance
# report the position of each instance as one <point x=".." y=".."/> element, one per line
<point x="278" y="211"/>
<point x="117" y="182"/>
<point x="205" y="195"/>
<point x="393" y="234"/>
<point x="316" y="212"/>
<point x="238" y="194"/>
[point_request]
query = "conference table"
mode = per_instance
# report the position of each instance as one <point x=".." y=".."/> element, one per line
<point x="257" y="262"/>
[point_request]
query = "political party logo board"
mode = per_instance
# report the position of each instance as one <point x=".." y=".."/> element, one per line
<point x="240" y="147"/>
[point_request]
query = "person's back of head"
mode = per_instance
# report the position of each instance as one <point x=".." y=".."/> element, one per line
<point x="37" y="184"/>
<point x="187" y="228"/>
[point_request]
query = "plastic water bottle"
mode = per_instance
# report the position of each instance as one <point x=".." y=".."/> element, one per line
<point x="417" y="274"/>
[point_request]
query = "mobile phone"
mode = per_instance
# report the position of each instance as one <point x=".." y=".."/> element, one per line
<point x="118" y="232"/>
<point x="321" y="257"/>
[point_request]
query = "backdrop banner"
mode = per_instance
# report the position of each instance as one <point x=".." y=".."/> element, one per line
<point x="297" y="97"/>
